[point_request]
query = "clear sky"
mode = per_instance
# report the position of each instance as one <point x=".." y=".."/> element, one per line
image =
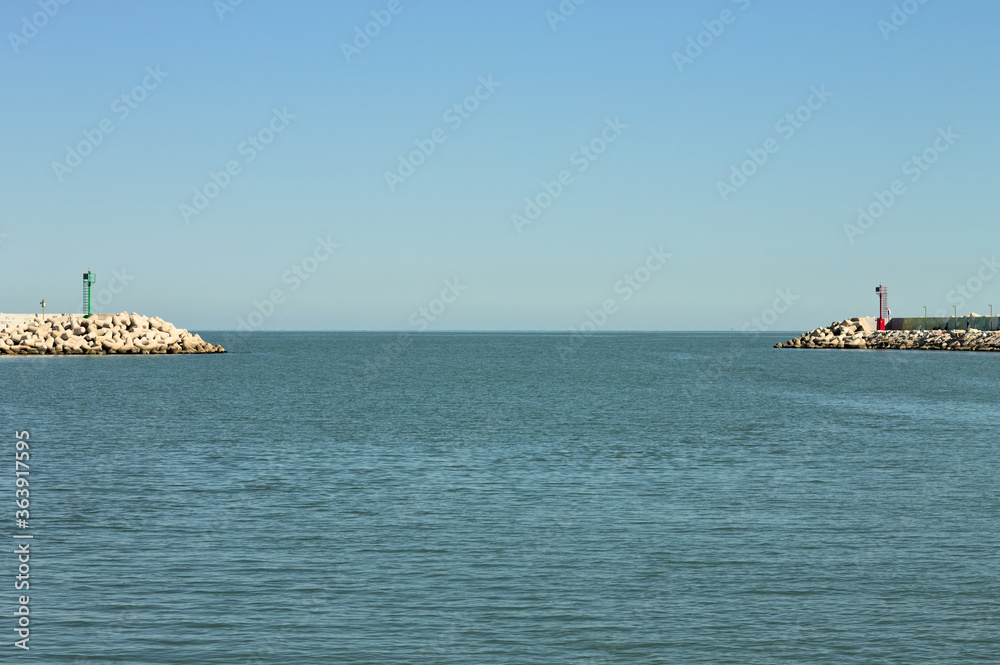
<point x="631" y="137"/>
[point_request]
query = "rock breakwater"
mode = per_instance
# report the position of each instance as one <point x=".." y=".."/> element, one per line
<point x="857" y="334"/>
<point x="99" y="334"/>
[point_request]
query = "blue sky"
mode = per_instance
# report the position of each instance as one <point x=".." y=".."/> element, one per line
<point x="329" y="126"/>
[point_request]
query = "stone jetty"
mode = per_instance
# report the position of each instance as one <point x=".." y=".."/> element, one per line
<point x="98" y="334"/>
<point x="857" y="333"/>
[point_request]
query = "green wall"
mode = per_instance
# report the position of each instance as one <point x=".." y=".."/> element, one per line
<point x="944" y="323"/>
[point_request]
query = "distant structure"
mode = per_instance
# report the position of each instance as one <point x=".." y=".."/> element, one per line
<point x="43" y="308"/>
<point x="972" y="321"/>
<point x="883" y="305"/>
<point x="88" y="282"/>
<point x="969" y="322"/>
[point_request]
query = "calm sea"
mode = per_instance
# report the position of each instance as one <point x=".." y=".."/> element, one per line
<point x="508" y="499"/>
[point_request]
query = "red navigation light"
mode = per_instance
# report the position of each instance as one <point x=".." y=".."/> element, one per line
<point x="883" y="305"/>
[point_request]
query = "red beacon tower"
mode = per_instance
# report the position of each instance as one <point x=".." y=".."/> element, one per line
<point x="883" y="305"/>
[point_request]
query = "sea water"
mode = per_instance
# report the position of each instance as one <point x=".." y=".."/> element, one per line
<point x="507" y="498"/>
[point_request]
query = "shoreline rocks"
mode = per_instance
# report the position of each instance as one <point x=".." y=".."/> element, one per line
<point x="857" y="334"/>
<point x="100" y="334"/>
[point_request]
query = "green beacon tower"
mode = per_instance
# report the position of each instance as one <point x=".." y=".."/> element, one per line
<point x="88" y="282"/>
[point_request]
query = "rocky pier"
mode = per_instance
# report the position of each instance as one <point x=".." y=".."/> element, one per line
<point x="857" y="333"/>
<point x="99" y="334"/>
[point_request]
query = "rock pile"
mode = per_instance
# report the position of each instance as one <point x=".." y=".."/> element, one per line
<point x="856" y="334"/>
<point x="98" y="335"/>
